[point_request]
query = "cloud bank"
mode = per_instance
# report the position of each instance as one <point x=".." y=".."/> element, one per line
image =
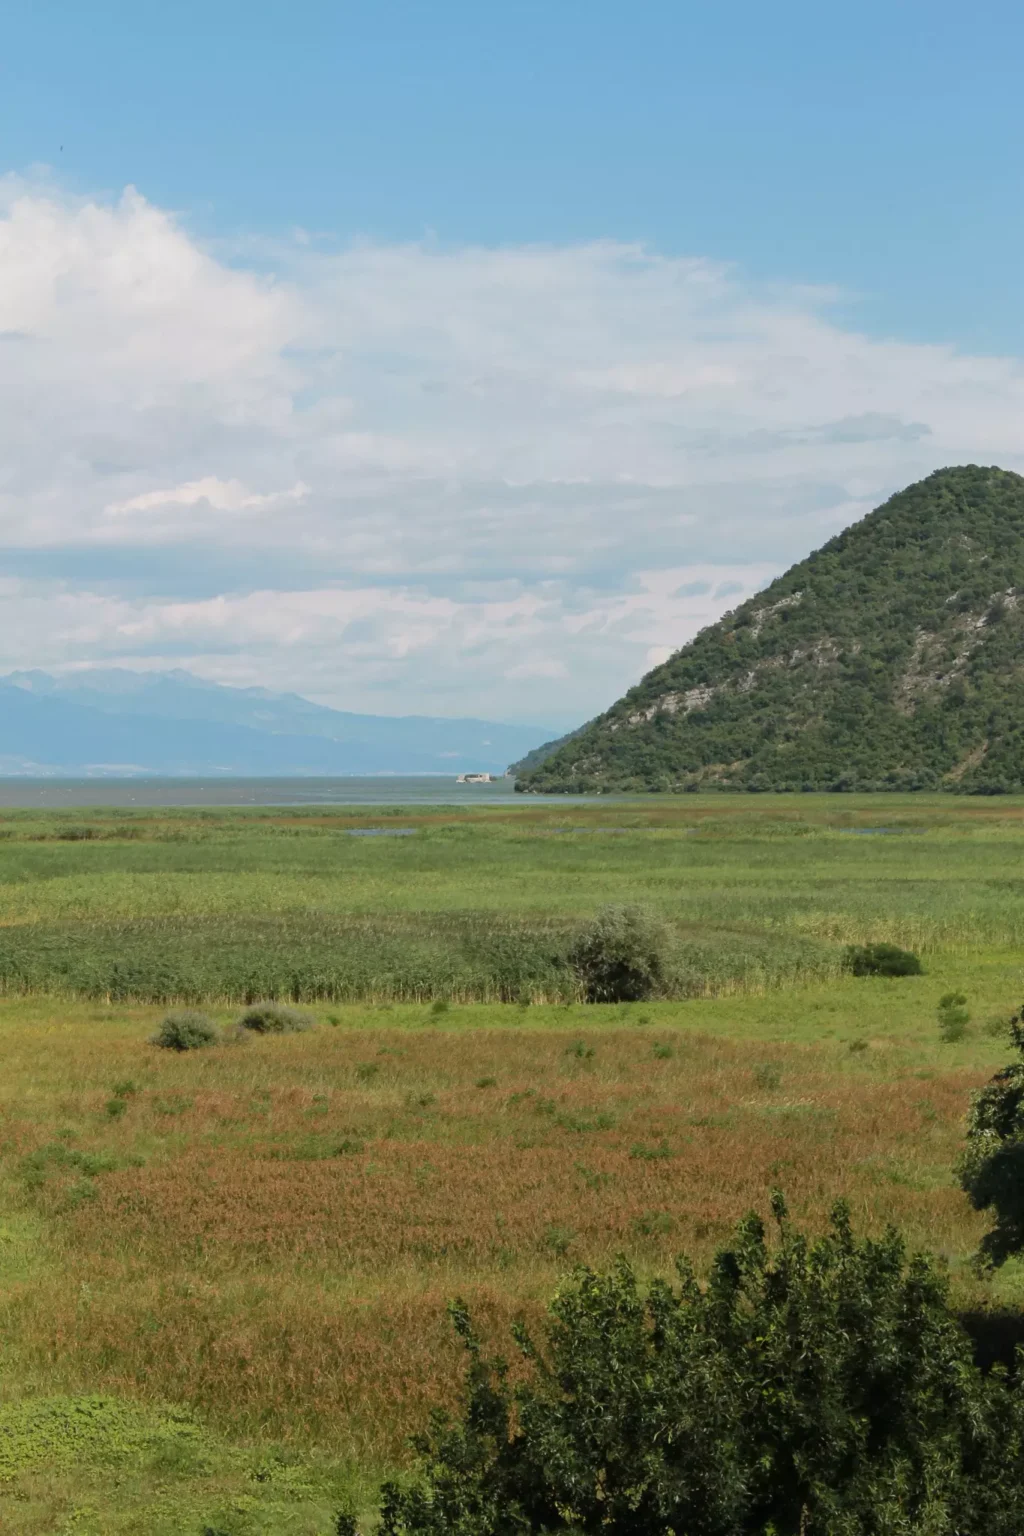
<point x="420" y="478"/>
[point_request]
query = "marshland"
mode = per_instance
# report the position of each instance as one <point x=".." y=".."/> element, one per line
<point x="224" y="1271"/>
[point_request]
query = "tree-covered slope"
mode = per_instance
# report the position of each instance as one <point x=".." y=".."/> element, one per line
<point x="540" y="754"/>
<point x="892" y="658"/>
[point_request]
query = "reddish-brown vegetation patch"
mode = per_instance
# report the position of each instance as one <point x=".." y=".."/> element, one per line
<point x="282" y="1225"/>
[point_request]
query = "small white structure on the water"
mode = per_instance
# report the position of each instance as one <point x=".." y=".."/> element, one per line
<point x="475" y="778"/>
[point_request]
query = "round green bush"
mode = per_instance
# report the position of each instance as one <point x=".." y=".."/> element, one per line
<point x="274" y="1019"/>
<point x="186" y="1030"/>
<point x="621" y="956"/>
<point x="882" y="960"/>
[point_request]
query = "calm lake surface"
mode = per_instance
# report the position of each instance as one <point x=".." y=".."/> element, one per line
<point x="52" y="794"/>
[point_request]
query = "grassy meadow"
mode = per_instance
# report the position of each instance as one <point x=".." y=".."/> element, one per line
<point x="223" y="1274"/>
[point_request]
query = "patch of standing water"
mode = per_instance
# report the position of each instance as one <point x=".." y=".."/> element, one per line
<point x="381" y="831"/>
<point x="881" y="831"/>
<point x="613" y="831"/>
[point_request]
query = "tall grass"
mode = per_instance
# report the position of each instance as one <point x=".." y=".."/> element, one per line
<point x="400" y="957"/>
<point x="475" y="905"/>
<point x="271" y="1233"/>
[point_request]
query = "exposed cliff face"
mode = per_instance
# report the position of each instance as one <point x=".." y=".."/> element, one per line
<point x="892" y="658"/>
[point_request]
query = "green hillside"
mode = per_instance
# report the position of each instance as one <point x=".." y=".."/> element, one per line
<point x="892" y="658"/>
<point x="541" y="754"/>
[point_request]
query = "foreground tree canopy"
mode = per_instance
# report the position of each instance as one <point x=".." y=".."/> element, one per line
<point x="889" y="659"/>
<point x="810" y="1389"/>
<point x="992" y="1168"/>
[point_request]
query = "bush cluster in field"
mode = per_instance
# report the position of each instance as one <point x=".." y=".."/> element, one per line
<point x="882" y="960"/>
<point x="189" y="1030"/>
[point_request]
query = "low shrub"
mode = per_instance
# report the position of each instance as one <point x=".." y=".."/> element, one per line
<point x="621" y="956"/>
<point x="653" y="1224"/>
<point x="767" y="1075"/>
<point x="882" y="960"/>
<point x="818" y="1387"/>
<point x="55" y="1156"/>
<point x="559" y="1240"/>
<point x="274" y="1019"/>
<point x="186" y="1030"/>
<point x="953" y="1017"/>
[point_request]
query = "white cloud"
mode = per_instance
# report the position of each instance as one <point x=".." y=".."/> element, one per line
<point x="220" y="495"/>
<point x="411" y="477"/>
<point x="370" y="644"/>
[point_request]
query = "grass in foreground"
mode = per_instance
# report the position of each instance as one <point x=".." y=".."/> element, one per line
<point x="266" y="1234"/>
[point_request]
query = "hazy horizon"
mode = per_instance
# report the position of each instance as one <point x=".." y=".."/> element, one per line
<point x="83" y="672"/>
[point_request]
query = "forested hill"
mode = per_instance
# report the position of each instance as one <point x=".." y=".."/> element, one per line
<point x="541" y="754"/>
<point x="892" y="658"/>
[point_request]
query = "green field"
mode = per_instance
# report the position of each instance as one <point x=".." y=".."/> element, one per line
<point x="223" y="1274"/>
<point x="413" y="906"/>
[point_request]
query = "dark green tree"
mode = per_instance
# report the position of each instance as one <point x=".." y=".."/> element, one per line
<point x="809" y="1389"/>
<point x="992" y="1167"/>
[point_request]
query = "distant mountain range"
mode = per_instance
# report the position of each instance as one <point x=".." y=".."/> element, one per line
<point x="117" y="722"/>
<point x="892" y="658"/>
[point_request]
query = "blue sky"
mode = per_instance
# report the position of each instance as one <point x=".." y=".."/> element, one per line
<point x="475" y="351"/>
<point x="875" y="146"/>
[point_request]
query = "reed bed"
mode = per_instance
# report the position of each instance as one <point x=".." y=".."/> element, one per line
<point x="391" y="957"/>
<point x="482" y="905"/>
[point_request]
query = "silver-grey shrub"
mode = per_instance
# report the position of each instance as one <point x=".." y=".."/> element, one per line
<point x="185" y="1030"/>
<point x="274" y="1019"/>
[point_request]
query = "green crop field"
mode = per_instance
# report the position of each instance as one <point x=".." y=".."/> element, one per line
<point x="223" y="1273"/>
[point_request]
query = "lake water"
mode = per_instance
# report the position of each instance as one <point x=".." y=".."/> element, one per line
<point x="881" y="831"/>
<point x="53" y="794"/>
